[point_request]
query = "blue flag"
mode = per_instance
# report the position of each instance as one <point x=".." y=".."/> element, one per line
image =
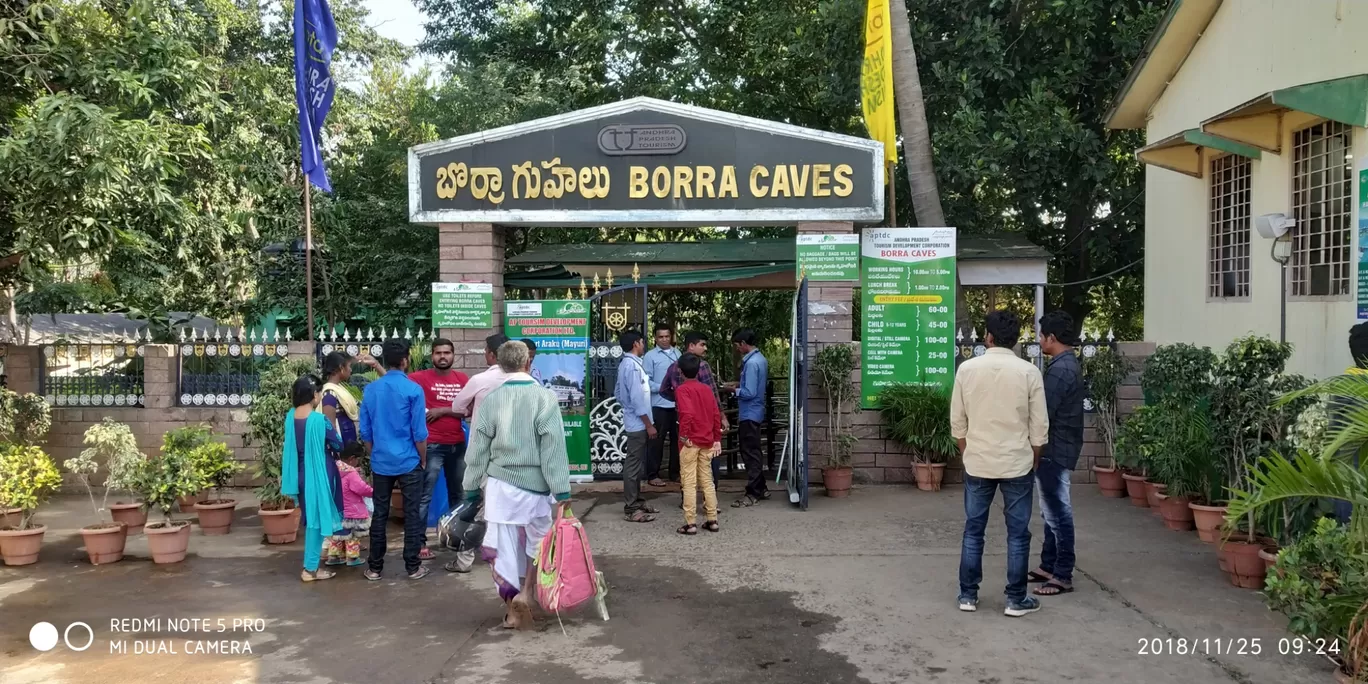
<point x="315" y="36"/>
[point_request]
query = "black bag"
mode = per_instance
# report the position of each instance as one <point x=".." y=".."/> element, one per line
<point x="462" y="529"/>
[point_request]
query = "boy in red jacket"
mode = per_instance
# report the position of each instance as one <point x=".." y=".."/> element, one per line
<point x="700" y="431"/>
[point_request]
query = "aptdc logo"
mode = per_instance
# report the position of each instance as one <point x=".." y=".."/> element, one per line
<point x="43" y="636"/>
<point x="571" y="308"/>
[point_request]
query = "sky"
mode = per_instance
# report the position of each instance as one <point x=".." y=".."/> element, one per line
<point x="400" y="20"/>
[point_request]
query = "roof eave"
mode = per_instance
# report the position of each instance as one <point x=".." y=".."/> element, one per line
<point x="1124" y="113"/>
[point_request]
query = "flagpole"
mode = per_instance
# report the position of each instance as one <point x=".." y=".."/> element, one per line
<point x="892" y="196"/>
<point x="308" y="257"/>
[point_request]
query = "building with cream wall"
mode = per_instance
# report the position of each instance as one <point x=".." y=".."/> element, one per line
<point x="1252" y="107"/>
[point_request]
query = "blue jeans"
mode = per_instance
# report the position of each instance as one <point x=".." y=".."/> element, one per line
<point x="1016" y="507"/>
<point x="1057" y="549"/>
<point x="453" y="457"/>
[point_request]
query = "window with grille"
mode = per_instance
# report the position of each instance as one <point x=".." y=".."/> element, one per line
<point x="1322" y="189"/>
<point x="1228" y="229"/>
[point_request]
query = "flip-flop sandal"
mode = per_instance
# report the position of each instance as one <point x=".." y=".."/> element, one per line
<point x="317" y="576"/>
<point x="656" y="482"/>
<point x="688" y="530"/>
<point x="1059" y="589"/>
<point x="711" y="526"/>
<point x="639" y="516"/>
<point x="426" y="554"/>
<point x="745" y="502"/>
<point x="1035" y="577"/>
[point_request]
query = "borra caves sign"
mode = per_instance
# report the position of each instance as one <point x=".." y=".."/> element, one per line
<point x="645" y="161"/>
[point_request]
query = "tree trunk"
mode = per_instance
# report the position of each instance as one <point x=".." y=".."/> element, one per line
<point x="921" y="170"/>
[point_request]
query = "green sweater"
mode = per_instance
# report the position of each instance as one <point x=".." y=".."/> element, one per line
<point x="518" y="437"/>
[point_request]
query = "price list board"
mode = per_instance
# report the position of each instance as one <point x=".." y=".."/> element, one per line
<point x="907" y="282"/>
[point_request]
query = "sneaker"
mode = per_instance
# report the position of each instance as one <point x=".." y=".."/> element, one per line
<point x="420" y="573"/>
<point x="967" y="604"/>
<point x="356" y="562"/>
<point x="371" y="575"/>
<point x="1021" y="607"/>
<point x="334" y="561"/>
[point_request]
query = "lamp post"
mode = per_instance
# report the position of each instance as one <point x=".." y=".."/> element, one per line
<point x="1278" y="229"/>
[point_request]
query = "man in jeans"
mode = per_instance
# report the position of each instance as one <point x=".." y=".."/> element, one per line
<point x="1064" y="403"/>
<point x="394" y="427"/>
<point x="657" y="364"/>
<point x="998" y="416"/>
<point x="750" y="402"/>
<point x="446" y="438"/>
<point x="633" y="393"/>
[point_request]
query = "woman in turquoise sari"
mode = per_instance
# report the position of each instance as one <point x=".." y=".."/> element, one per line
<point x="309" y="476"/>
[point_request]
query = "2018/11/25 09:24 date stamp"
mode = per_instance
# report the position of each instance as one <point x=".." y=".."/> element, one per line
<point x="1237" y="646"/>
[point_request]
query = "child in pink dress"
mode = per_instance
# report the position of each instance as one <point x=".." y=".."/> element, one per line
<point x="356" y="517"/>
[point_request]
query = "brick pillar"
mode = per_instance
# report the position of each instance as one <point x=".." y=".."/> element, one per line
<point x="22" y="365"/>
<point x="159" y="377"/>
<point x="472" y="252"/>
<point x="302" y="350"/>
<point x="831" y="321"/>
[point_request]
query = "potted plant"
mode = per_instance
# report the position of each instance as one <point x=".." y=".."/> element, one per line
<point x="24" y="421"/>
<point x="215" y="464"/>
<point x="266" y="418"/>
<point x="183" y="441"/>
<point x="1104" y="373"/>
<point x="1132" y="452"/>
<point x="112" y="443"/>
<point x="1183" y="462"/>
<point x="834" y="365"/>
<point x="918" y="416"/>
<point x="168" y="477"/>
<point x="27" y="478"/>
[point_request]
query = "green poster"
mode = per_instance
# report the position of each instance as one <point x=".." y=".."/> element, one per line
<point x="560" y="329"/>
<point x="908" y="309"/>
<point x="462" y="305"/>
<point x="829" y="257"/>
<point x="1363" y="245"/>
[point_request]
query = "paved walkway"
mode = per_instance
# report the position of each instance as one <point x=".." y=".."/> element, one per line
<point x="854" y="590"/>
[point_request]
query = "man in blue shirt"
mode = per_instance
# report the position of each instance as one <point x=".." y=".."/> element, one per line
<point x="634" y="395"/>
<point x="394" y="428"/>
<point x="657" y="364"/>
<point x="1064" y="407"/>
<point x="750" y="400"/>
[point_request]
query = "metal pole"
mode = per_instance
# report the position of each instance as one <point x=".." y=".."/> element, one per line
<point x="892" y="196"/>
<point x="1282" y="301"/>
<point x="308" y="259"/>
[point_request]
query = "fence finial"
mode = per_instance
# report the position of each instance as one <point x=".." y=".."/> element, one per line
<point x="1111" y="336"/>
<point x="973" y="334"/>
<point x="289" y="334"/>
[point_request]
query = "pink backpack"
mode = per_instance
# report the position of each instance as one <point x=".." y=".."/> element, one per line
<point x="566" y="576"/>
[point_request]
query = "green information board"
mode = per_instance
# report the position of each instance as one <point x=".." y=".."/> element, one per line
<point x="829" y="257"/>
<point x="1363" y="245"/>
<point x="462" y="305"/>
<point x="908" y="309"/>
<point x="560" y="329"/>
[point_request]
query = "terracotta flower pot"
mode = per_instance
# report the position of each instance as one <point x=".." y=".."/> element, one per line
<point x="1110" y="482"/>
<point x="837" y="481"/>
<point x="1208" y="520"/>
<point x="1177" y="514"/>
<point x="1246" y="569"/>
<point x="216" y="517"/>
<point x="397" y="505"/>
<point x="1269" y="554"/>
<point x="20" y="547"/>
<point x="187" y="503"/>
<point x="929" y="476"/>
<point x="1342" y="677"/>
<point x="168" y="541"/>
<point x="132" y="515"/>
<point x="281" y="525"/>
<point x="1152" y="492"/>
<point x="1223" y="560"/>
<point x="10" y="517"/>
<point x="1135" y="489"/>
<point x="105" y="542"/>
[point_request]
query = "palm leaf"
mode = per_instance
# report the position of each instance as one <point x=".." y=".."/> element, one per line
<point x="1349" y="429"/>
<point x="1276" y="479"/>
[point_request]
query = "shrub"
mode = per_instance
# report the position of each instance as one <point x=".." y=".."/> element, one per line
<point x="1178" y="370"/>
<point x="24" y="418"/>
<point x="169" y="476"/>
<point x="266" y="418"/>
<point x="1104" y="373"/>
<point x="834" y="365"/>
<point x="1319" y="583"/>
<point x="213" y="462"/>
<point x="28" y="477"/>
<point x="112" y="443"/>
<point x="919" y="417"/>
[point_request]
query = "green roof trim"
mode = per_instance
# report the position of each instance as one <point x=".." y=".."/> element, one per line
<point x="1197" y="137"/>
<point x="1343" y="99"/>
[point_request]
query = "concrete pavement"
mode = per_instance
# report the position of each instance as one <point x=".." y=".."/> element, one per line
<point x="855" y="590"/>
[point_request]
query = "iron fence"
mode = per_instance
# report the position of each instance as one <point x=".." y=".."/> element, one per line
<point x="370" y="342"/>
<point x="105" y="372"/>
<point x="223" y="367"/>
<point x="967" y="347"/>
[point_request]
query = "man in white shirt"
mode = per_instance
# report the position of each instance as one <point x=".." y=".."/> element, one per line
<point x="998" y="416"/>
<point x="467" y="402"/>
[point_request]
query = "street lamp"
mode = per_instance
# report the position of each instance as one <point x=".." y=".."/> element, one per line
<point x="1278" y="229"/>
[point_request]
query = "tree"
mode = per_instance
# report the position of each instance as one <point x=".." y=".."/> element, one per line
<point x="921" y="171"/>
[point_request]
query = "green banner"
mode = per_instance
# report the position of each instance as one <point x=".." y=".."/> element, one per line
<point x="908" y="309"/>
<point x="1363" y="245"/>
<point x="462" y="305"/>
<point x="829" y="257"/>
<point x="560" y="329"/>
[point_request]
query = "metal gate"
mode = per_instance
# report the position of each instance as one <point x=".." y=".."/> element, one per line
<point x="796" y="455"/>
<point x="611" y="312"/>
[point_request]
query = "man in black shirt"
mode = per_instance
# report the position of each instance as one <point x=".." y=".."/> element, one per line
<point x="1064" y="405"/>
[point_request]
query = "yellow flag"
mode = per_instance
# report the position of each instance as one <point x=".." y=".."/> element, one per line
<point x="876" y="79"/>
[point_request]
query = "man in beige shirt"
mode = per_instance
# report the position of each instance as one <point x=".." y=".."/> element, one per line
<point x="998" y="415"/>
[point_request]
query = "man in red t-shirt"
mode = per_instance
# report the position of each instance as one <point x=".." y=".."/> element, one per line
<point x="446" y="439"/>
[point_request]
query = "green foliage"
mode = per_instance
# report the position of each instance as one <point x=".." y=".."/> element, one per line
<point x="1319" y="583"/>
<point x="112" y="443"/>
<point x="1179" y="370"/>
<point x="1179" y="450"/>
<point x="1105" y="372"/>
<point x="169" y="476"/>
<point x="28" y="476"/>
<point x="184" y="440"/>
<point x="1309" y="431"/>
<point x="24" y="418"/>
<point x="919" y="417"/>
<point x="266" y="418"/>
<point x="1134" y="449"/>
<point x="834" y="365"/>
<point x="213" y="462"/>
<point x="1276" y="480"/>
